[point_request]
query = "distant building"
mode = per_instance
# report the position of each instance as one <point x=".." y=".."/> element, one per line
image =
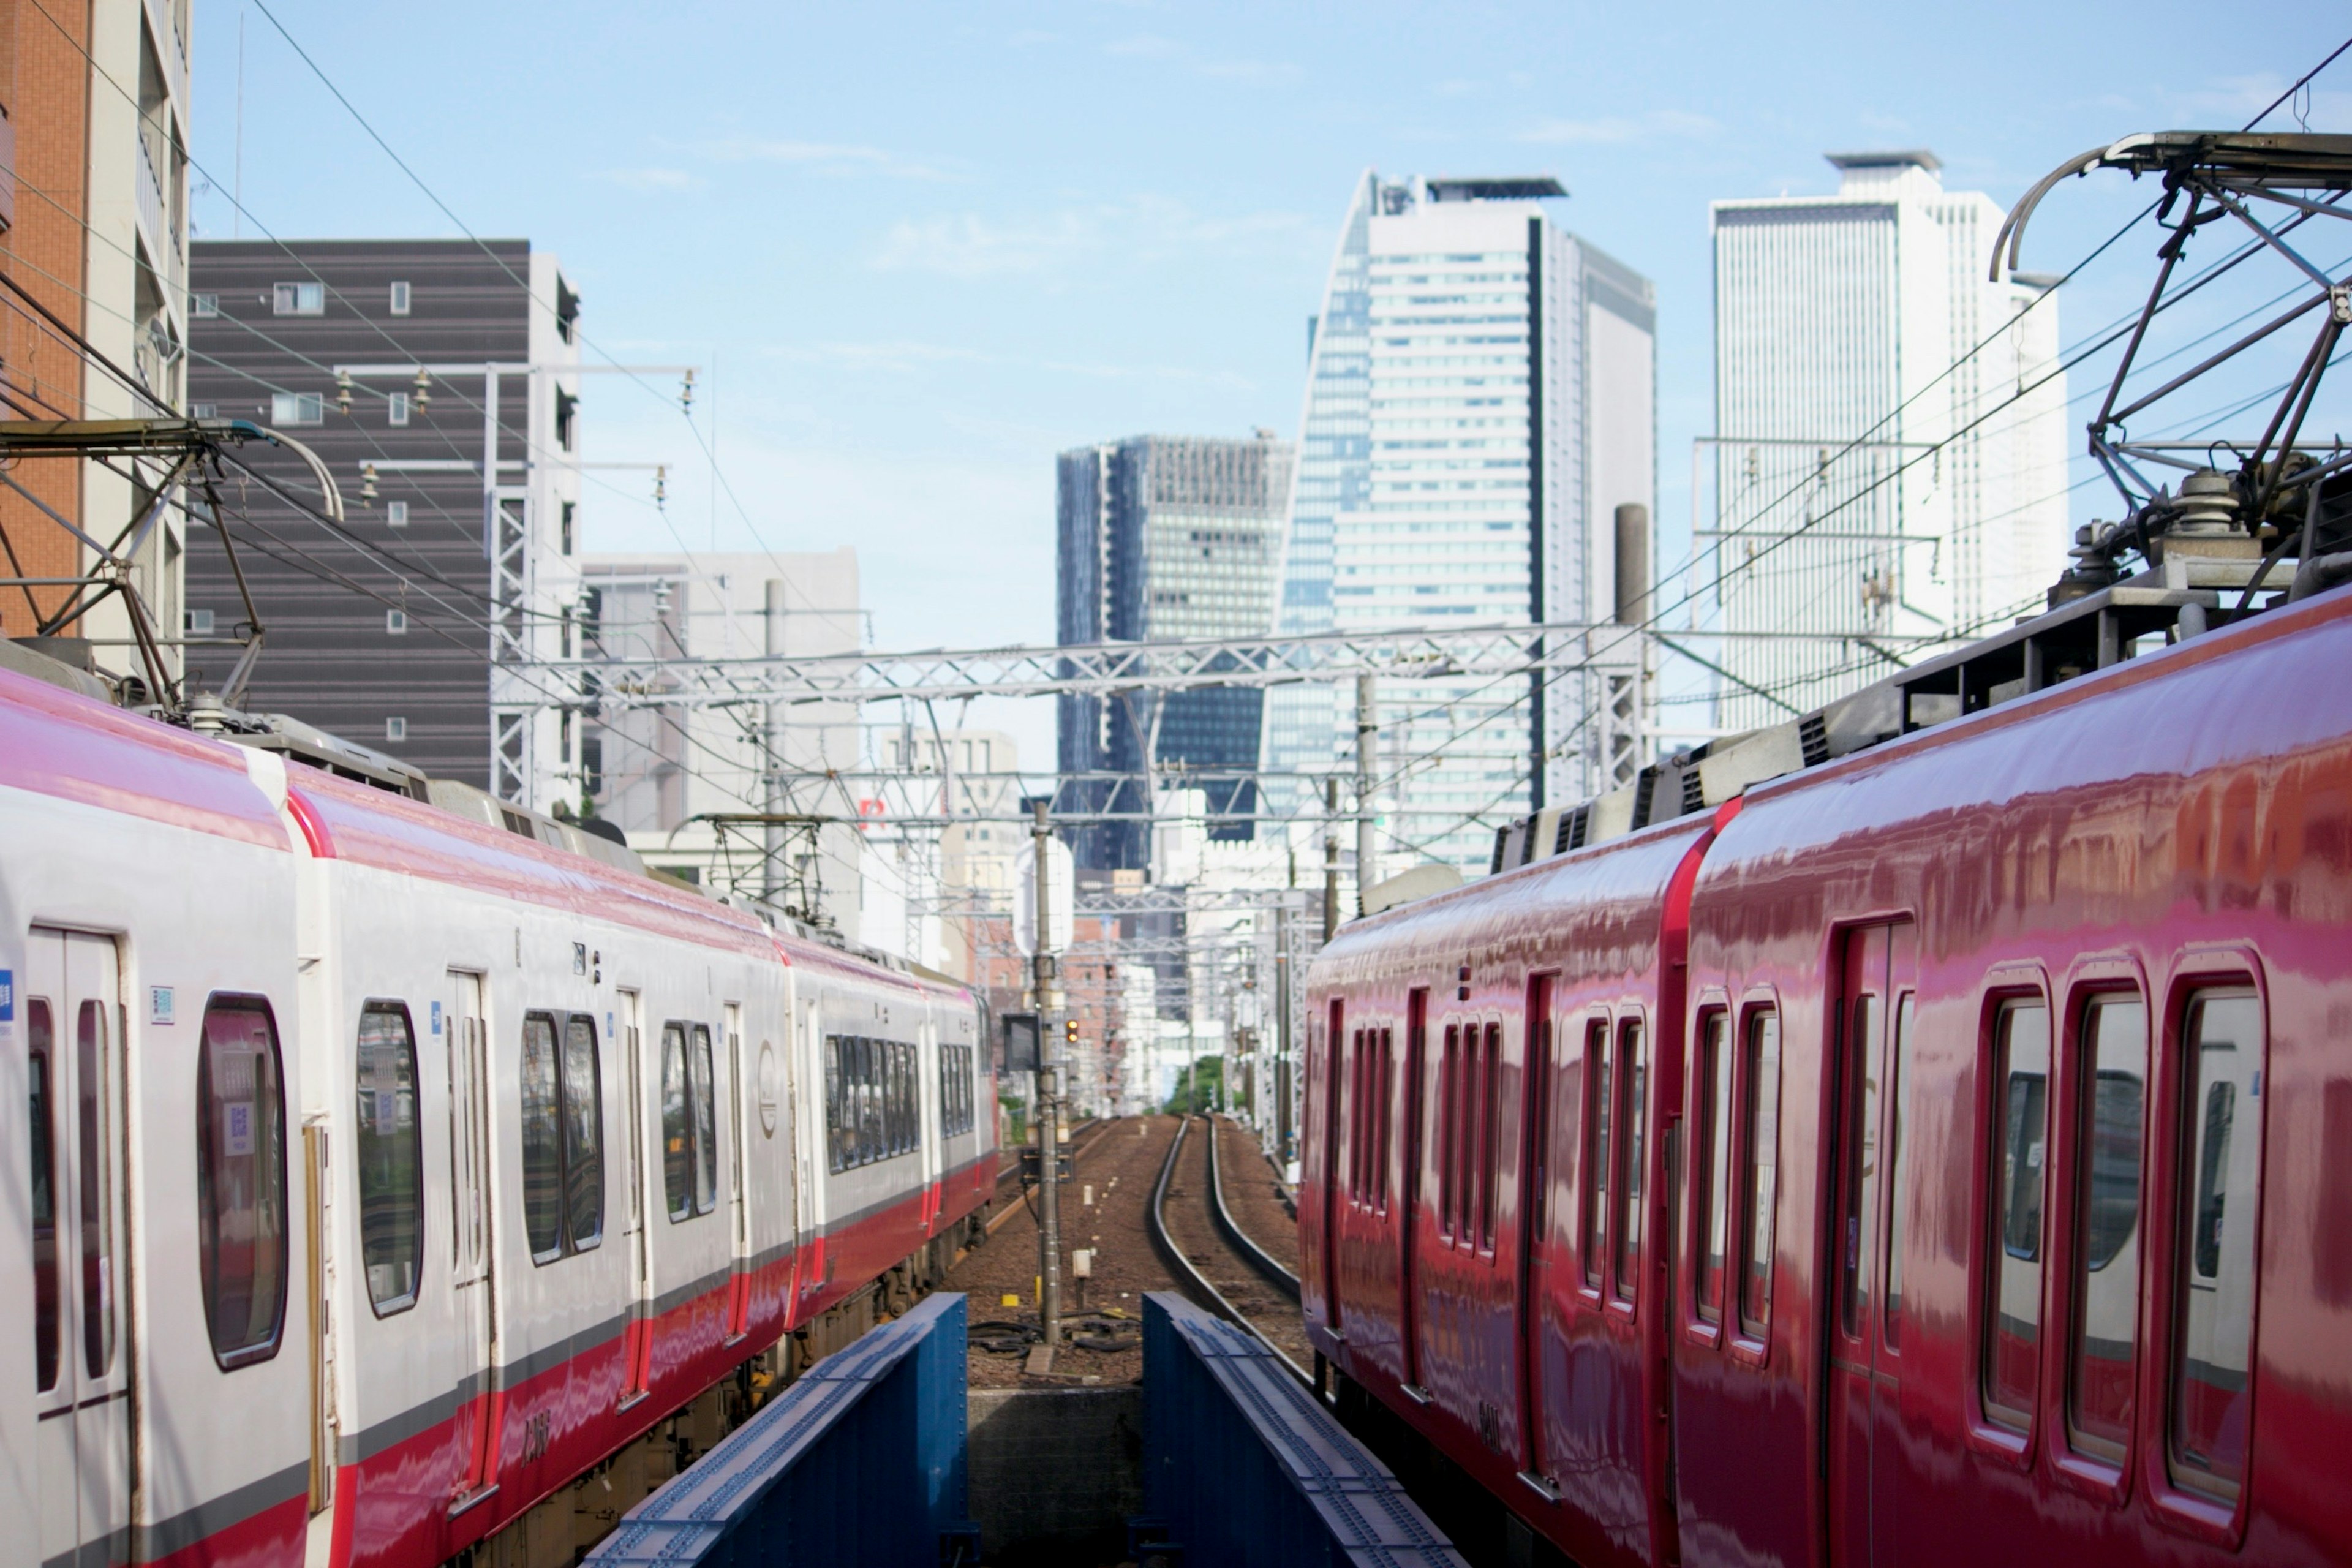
<point x="1163" y="538"/>
<point x="94" y="244"/>
<point x="1854" y="497"/>
<point x="1479" y="407"/>
<point x="662" y="775"/>
<point x="407" y="628"/>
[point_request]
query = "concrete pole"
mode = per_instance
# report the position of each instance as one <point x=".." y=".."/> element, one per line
<point x="1049" y="1143"/>
<point x="1368" y="731"/>
<point x="1331" y="858"/>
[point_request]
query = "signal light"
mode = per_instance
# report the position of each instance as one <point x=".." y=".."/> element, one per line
<point x="1070" y="1030"/>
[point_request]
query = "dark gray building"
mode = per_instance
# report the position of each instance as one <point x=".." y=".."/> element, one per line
<point x="1166" y="538"/>
<point x="397" y="629"/>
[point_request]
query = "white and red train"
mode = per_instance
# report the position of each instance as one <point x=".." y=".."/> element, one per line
<point x="378" y="1174"/>
<point x="1933" y="1155"/>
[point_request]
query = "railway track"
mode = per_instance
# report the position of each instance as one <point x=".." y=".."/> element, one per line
<point x="1079" y="1149"/>
<point x="1252" y="1260"/>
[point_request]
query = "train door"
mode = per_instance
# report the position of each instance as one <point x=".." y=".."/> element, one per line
<point x="74" y="1021"/>
<point x="1334" y="1071"/>
<point x="637" y="1347"/>
<point x="473" y="1287"/>
<point x="1860" y="1405"/>
<point x="1535" y="1253"/>
<point x="739" y="1203"/>
<point x="1416" y="1062"/>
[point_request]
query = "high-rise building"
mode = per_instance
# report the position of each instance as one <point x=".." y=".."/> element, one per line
<point x="1479" y="408"/>
<point x="1890" y="455"/>
<point x="1162" y="538"/>
<point x="410" y="627"/>
<point x="94" y="106"/>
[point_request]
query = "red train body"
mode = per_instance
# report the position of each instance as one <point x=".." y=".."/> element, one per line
<point x="1924" y="1159"/>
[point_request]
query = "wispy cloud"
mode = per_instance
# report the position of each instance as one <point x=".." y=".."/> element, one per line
<point x="1611" y="129"/>
<point x="828" y="158"/>
<point x="913" y="356"/>
<point x="653" y="179"/>
<point x="2226" y="102"/>
<point x="1147" y="228"/>
<point x="1250" y="72"/>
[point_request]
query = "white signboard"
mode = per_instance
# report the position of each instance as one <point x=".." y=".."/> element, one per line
<point x="1060" y="893"/>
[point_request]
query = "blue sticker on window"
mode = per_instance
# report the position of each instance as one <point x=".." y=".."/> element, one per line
<point x="436" y="1018"/>
<point x="8" y="995"/>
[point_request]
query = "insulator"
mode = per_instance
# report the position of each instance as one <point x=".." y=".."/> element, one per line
<point x="2209" y="503"/>
<point x="343" y="392"/>
<point x="686" y="392"/>
<point x="423" y="389"/>
<point x="367" y="484"/>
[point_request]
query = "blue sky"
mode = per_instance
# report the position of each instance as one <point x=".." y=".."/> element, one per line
<point x="926" y="248"/>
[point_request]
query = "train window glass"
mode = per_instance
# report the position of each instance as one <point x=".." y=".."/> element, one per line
<point x="877" y="1142"/>
<point x="677" y="1123"/>
<point x="542" y="1141"/>
<point x="1858" y="1145"/>
<point x="1899" y="1184"/>
<point x="390" y="1160"/>
<point x="1358" y="1139"/>
<point x="705" y="1123"/>
<point x="833" y="1119"/>
<point x="1633" y="1077"/>
<point x="98" y="1270"/>
<point x="2112" y="1097"/>
<point x="1388" y="1092"/>
<point x="583" y="1135"/>
<point x="2213" y="1305"/>
<point x="40" y="1040"/>
<point x="1712" y="1160"/>
<point x="241" y="1179"/>
<point x="1490" y="1132"/>
<point x="1448" y="1114"/>
<point x="2020" y="1143"/>
<point x="1597" y="1121"/>
<point x="1760" y="1191"/>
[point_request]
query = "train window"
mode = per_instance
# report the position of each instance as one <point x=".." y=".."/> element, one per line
<point x="2020" y="1142"/>
<point x="2112" y="1097"/>
<point x="2219" y="1183"/>
<point x="1490" y="1132"/>
<point x="1448" y="1113"/>
<point x="705" y="1123"/>
<point x="1711" y="1161"/>
<point x="1898" y="1189"/>
<point x="1858" y="1146"/>
<point x="1761" y="1141"/>
<point x="1597" y="1119"/>
<point x="677" y="1123"/>
<point x="40" y="1041"/>
<point x="583" y="1134"/>
<point x="390" y="1160"/>
<point x="542" y="1141"/>
<point x="97" y="1269"/>
<point x="1353" y="1094"/>
<point x="1388" y="1090"/>
<point x="955" y="1089"/>
<point x="1633" y="1078"/>
<point x="241" y="1179"/>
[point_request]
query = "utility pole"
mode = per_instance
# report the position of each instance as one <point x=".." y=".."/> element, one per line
<point x="1049" y="1143"/>
<point x="1331" y="858"/>
<point x="1367" y="730"/>
<point x="1281" y="1031"/>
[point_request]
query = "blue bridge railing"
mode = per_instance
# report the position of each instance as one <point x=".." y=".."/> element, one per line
<point x="1242" y="1467"/>
<point x="861" y="1460"/>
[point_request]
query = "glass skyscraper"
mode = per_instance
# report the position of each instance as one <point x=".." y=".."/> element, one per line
<point x="1479" y="405"/>
<point x="1163" y="538"/>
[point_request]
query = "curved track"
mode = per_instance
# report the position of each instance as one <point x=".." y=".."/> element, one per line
<point x="1198" y="1285"/>
<point x="1100" y="1131"/>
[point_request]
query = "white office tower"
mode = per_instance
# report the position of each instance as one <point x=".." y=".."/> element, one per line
<point x="1891" y="432"/>
<point x="1479" y="405"/>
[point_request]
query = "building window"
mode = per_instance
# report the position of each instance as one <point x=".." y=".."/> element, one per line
<point x="297" y="300"/>
<point x="199" y="623"/>
<point x="293" y="409"/>
<point x="398" y="406"/>
<point x="567" y="310"/>
<point x="395" y="623"/>
<point x="207" y="306"/>
<point x="204" y="411"/>
<point x="395" y="729"/>
<point x="400" y="297"/>
<point x="567" y="408"/>
<point x="395" y="514"/>
<point x="390" y="1164"/>
<point x="569" y="507"/>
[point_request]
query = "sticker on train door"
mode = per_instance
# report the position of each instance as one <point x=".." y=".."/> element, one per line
<point x="8" y="1005"/>
<point x="436" y="1018"/>
<point x="163" y="1004"/>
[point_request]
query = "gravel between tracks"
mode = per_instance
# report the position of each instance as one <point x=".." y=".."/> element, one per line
<point x="1120" y="1169"/>
<point x="1272" y="1313"/>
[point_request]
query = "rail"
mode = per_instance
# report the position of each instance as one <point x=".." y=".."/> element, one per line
<point x="1195" y="1283"/>
<point x="1256" y="1257"/>
<point x="1077" y="1153"/>
<point x="860" y="1461"/>
<point x="1243" y="1466"/>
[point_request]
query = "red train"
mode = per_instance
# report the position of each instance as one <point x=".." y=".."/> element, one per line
<point x="1926" y="1156"/>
